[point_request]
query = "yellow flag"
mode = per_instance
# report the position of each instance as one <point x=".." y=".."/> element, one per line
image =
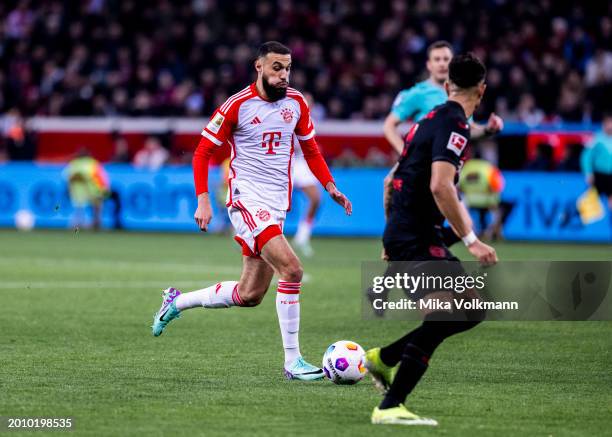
<point x="590" y="207"/>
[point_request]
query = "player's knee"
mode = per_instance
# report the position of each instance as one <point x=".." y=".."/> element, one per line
<point x="293" y="272"/>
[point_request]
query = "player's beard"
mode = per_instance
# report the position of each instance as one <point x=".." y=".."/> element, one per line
<point x="274" y="93"/>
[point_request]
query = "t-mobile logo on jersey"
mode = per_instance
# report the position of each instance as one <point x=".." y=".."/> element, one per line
<point x="271" y="140"/>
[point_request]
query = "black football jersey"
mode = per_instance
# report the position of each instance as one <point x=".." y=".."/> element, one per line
<point x="442" y="135"/>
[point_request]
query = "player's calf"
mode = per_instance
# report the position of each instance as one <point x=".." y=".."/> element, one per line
<point x="279" y="254"/>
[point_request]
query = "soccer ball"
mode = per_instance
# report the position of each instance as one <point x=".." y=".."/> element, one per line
<point x="24" y="220"/>
<point x="343" y="362"/>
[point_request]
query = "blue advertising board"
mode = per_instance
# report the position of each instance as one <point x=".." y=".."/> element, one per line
<point x="544" y="203"/>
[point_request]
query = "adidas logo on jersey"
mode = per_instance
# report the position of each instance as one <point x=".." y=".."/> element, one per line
<point x="256" y="120"/>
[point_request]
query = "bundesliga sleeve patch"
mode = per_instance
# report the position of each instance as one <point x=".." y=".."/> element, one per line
<point x="457" y="143"/>
<point x="215" y="124"/>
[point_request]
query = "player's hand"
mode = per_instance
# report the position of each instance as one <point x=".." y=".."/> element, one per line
<point x="484" y="253"/>
<point x="494" y="125"/>
<point x="383" y="255"/>
<point x="339" y="198"/>
<point x="203" y="214"/>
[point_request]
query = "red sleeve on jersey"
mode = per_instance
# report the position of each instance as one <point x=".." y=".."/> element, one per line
<point x="304" y="129"/>
<point x="201" y="158"/>
<point x="315" y="161"/>
<point x="218" y="130"/>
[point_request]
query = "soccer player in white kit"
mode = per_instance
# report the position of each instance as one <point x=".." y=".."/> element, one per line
<point x="261" y="124"/>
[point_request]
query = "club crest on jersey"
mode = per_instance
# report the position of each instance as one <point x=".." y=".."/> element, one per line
<point x="263" y="215"/>
<point x="437" y="251"/>
<point x="457" y="143"/>
<point x="287" y="114"/>
<point x="397" y="184"/>
<point x="215" y="124"/>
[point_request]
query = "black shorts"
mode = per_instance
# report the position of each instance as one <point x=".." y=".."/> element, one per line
<point x="603" y="183"/>
<point x="431" y="258"/>
<point x="430" y="245"/>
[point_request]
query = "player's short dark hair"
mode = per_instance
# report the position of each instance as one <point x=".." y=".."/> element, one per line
<point x="438" y="45"/>
<point x="272" y="47"/>
<point x="466" y="70"/>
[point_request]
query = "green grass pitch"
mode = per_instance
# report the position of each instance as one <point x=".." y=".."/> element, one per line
<point x="75" y="341"/>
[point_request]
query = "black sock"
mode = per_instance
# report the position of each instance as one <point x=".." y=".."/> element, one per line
<point x="392" y="354"/>
<point x="423" y="342"/>
<point x="412" y="368"/>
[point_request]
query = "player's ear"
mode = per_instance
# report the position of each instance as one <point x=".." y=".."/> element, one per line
<point x="481" y="89"/>
<point x="258" y="65"/>
<point x="447" y="87"/>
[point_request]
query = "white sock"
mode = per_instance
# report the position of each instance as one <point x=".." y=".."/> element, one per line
<point x="288" y="311"/>
<point x="304" y="231"/>
<point x="221" y="295"/>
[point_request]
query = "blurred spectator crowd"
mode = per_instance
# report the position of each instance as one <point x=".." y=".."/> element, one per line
<point x="547" y="60"/>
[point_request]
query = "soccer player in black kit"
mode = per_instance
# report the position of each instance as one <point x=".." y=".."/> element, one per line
<point x="424" y="194"/>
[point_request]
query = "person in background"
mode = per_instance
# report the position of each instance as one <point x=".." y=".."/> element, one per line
<point x="88" y="185"/>
<point x="121" y="153"/>
<point x="307" y="183"/>
<point x="20" y="142"/>
<point x="3" y="152"/>
<point x="481" y="184"/>
<point x="596" y="161"/>
<point x="152" y="156"/>
<point x="543" y="160"/>
<point x="571" y="158"/>
<point x="221" y="195"/>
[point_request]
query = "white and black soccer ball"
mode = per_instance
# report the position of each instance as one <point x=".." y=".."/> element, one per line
<point x="344" y="362"/>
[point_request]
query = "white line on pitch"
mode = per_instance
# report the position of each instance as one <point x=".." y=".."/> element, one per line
<point x="73" y="263"/>
<point x="21" y="285"/>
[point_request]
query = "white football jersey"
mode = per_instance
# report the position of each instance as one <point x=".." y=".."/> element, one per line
<point x="262" y="136"/>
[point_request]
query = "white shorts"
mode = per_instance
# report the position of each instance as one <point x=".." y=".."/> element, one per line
<point x="302" y="176"/>
<point x="254" y="224"/>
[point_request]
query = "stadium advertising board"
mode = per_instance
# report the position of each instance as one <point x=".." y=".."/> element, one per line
<point x="544" y="203"/>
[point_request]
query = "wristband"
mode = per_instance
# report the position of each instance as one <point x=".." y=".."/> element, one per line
<point x="469" y="239"/>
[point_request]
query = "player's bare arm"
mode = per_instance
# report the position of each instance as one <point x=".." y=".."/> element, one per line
<point x="391" y="134"/>
<point x="445" y="194"/>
